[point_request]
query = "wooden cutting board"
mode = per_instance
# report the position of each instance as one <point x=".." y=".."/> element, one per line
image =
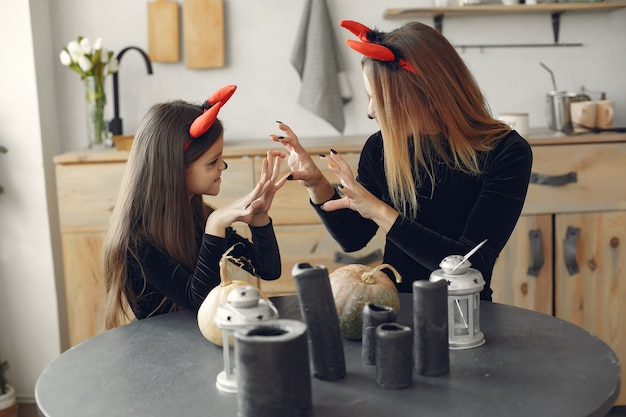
<point x="163" y="31"/>
<point x="203" y="33"/>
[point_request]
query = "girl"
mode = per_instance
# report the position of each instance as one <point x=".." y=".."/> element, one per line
<point x="164" y="244"/>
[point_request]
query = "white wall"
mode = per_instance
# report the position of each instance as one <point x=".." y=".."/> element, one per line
<point x="29" y="322"/>
<point x="37" y="123"/>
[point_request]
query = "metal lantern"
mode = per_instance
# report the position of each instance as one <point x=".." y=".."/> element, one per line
<point x="244" y="307"/>
<point x="464" y="287"/>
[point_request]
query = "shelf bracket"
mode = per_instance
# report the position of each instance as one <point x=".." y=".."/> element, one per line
<point x="439" y="22"/>
<point x="556" y="25"/>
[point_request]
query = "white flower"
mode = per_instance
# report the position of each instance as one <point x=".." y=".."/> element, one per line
<point x="85" y="63"/>
<point x="85" y="46"/>
<point x="65" y="58"/>
<point x="89" y="60"/>
<point x="74" y="50"/>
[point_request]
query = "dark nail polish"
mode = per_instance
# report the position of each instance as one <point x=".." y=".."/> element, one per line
<point x="333" y="151"/>
<point x="280" y="137"/>
<point x="289" y="177"/>
<point x="278" y="121"/>
<point x="321" y="155"/>
<point x="340" y="186"/>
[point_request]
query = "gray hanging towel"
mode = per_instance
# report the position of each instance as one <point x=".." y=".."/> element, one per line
<point x="317" y="59"/>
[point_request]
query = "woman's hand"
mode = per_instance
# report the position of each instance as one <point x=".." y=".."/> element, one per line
<point x="303" y="169"/>
<point x="356" y="197"/>
<point x="252" y="208"/>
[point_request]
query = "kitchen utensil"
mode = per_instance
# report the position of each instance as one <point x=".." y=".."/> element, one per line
<point x="551" y="75"/>
<point x="470" y="253"/>
<point x="558" y="109"/>
<point x="203" y="32"/>
<point x="163" y="31"/>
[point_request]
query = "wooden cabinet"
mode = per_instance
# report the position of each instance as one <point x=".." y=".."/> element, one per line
<point x="567" y="255"/>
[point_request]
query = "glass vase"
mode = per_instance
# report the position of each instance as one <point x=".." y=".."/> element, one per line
<point x="96" y="99"/>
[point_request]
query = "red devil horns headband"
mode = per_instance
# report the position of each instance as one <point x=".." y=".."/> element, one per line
<point x="369" y="45"/>
<point x="212" y="106"/>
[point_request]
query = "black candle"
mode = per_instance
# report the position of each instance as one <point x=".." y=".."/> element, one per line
<point x="373" y="315"/>
<point x="273" y="370"/>
<point x="317" y="306"/>
<point x="430" y="328"/>
<point x="394" y="356"/>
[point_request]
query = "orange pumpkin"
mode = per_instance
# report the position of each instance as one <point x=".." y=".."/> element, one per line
<point x="218" y="296"/>
<point x="356" y="285"/>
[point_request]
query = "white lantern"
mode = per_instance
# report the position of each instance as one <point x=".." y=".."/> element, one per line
<point x="464" y="287"/>
<point x="244" y="307"/>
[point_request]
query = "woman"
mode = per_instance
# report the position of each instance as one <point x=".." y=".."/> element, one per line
<point x="164" y="244"/>
<point x="439" y="177"/>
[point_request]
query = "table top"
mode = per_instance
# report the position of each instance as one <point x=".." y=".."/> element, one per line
<point x="531" y="364"/>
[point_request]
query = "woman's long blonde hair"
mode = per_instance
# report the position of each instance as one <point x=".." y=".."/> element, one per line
<point x="442" y="100"/>
<point x="153" y="204"/>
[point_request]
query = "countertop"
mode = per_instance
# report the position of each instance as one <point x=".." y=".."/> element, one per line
<point x="345" y="144"/>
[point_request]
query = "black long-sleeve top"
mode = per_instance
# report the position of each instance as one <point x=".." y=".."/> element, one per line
<point x="461" y="212"/>
<point x="168" y="282"/>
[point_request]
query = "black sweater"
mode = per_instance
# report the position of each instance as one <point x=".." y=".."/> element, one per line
<point x="168" y="282"/>
<point x="462" y="211"/>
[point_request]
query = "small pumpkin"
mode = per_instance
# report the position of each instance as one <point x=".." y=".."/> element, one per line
<point x="356" y="285"/>
<point x="218" y="296"/>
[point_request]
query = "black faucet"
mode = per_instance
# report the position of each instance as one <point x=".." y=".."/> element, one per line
<point x="115" y="125"/>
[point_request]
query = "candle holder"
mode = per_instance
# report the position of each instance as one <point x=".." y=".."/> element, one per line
<point x="464" y="287"/>
<point x="244" y="307"/>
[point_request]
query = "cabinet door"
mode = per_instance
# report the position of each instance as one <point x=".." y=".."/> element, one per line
<point x="522" y="275"/>
<point x="590" y="271"/>
<point x="311" y="243"/>
<point x="84" y="285"/>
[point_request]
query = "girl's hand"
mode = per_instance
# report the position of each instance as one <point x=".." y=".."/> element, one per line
<point x="303" y="169"/>
<point x="270" y="183"/>
<point x="356" y="197"/>
<point x="252" y="208"/>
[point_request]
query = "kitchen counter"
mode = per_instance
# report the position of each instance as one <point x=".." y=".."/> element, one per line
<point x="351" y="143"/>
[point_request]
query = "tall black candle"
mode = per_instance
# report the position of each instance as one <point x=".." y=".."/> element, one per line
<point x="430" y="328"/>
<point x="373" y="315"/>
<point x="273" y="370"/>
<point x="394" y="356"/>
<point x="317" y="306"/>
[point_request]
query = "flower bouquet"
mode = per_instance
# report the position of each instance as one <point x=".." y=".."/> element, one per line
<point x="93" y="63"/>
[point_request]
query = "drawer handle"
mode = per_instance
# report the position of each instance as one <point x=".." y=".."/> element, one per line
<point x="344" y="258"/>
<point x="569" y="249"/>
<point x="554" y="180"/>
<point x="536" y="252"/>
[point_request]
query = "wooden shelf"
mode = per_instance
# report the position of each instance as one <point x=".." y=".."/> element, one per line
<point x="496" y="9"/>
<point x="553" y="9"/>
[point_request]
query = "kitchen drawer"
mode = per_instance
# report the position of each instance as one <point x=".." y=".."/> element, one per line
<point x="585" y="177"/>
<point x="291" y="203"/>
<point x="87" y="194"/>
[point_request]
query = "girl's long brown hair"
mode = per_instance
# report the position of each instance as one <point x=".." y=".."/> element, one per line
<point x="153" y="204"/>
<point x="441" y="100"/>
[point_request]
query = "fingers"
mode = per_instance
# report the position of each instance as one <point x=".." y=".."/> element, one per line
<point x="338" y="165"/>
<point x="289" y="139"/>
<point x="333" y="205"/>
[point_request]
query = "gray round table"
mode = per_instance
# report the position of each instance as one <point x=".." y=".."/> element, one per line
<point x="531" y="365"/>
